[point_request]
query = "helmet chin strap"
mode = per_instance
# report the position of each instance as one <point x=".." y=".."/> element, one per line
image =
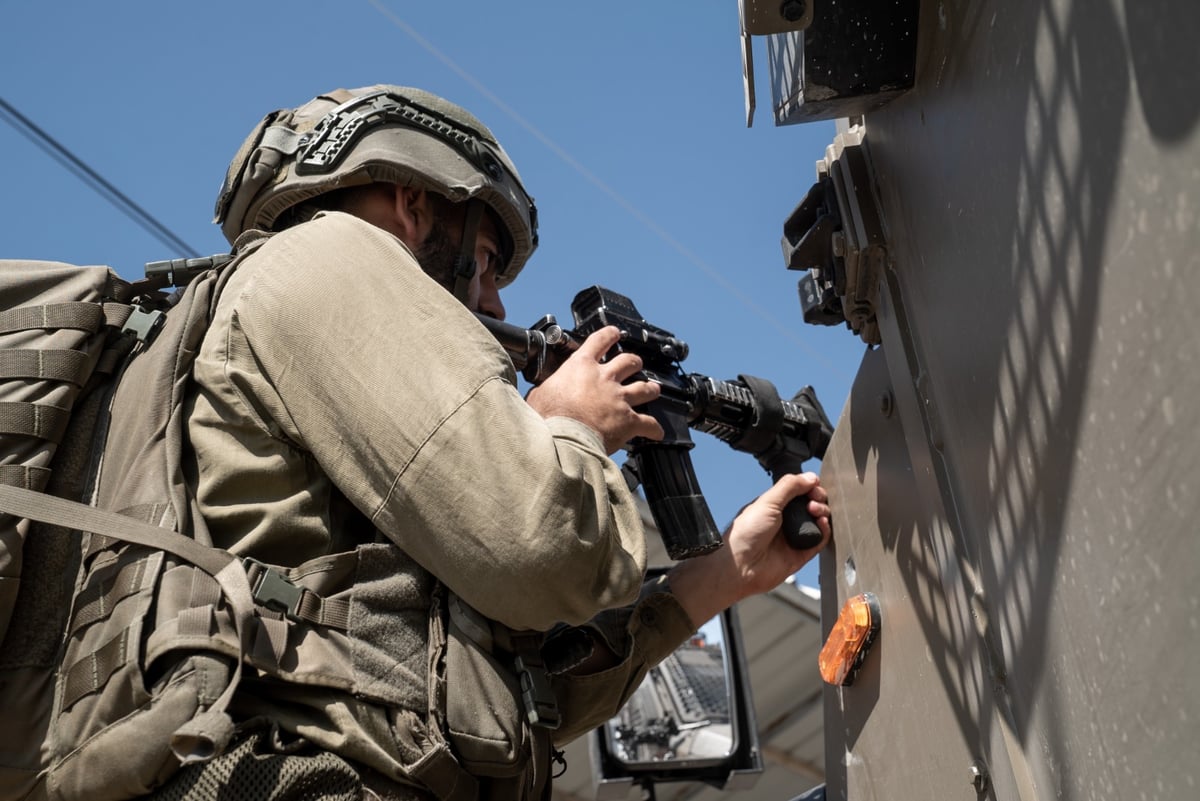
<point x="464" y="265"/>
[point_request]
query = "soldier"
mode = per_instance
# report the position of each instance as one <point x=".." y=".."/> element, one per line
<point x="349" y="410"/>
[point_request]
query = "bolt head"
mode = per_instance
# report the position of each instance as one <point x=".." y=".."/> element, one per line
<point x="792" y="10"/>
<point x="886" y="404"/>
<point x="838" y="243"/>
<point x="979" y="776"/>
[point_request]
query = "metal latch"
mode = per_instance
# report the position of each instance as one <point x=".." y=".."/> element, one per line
<point x="272" y="589"/>
<point x="836" y="234"/>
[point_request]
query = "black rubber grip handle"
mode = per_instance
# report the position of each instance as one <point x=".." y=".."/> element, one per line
<point x="800" y="529"/>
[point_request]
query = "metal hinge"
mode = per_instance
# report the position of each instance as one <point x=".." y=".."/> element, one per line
<point x="837" y="236"/>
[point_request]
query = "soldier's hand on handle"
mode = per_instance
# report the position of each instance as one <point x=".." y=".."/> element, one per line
<point x="756" y="556"/>
<point x="762" y="554"/>
<point x="592" y="391"/>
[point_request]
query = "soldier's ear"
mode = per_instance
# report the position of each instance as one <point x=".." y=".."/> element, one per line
<point x="412" y="214"/>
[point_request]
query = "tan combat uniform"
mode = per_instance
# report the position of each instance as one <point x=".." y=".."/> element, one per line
<point x="343" y="398"/>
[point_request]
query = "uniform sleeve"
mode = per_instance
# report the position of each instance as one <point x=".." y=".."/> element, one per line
<point x="642" y="635"/>
<point x="410" y="407"/>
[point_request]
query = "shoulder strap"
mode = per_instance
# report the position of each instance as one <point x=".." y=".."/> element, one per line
<point x="77" y="516"/>
<point x="270" y="587"/>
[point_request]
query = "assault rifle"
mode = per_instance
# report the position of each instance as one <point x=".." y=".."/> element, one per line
<point x="747" y="413"/>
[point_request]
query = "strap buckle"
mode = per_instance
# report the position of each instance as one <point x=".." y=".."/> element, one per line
<point x="541" y="707"/>
<point x="143" y="323"/>
<point x="272" y="589"/>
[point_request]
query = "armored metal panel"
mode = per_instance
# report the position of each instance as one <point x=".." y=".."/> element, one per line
<point x="917" y="701"/>
<point x="1027" y="514"/>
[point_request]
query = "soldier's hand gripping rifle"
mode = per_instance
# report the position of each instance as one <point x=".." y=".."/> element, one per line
<point x="747" y="413"/>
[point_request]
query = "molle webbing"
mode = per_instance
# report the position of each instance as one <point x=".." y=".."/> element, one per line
<point x="76" y="315"/>
<point x="92" y="605"/>
<point x="43" y="414"/>
<point x="91" y="673"/>
<point x="39" y="420"/>
<point x="68" y="366"/>
<point x="58" y="328"/>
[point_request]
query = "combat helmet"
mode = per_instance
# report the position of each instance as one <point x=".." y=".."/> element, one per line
<point x="383" y="133"/>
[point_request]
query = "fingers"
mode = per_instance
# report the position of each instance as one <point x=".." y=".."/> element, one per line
<point x="759" y="548"/>
<point x="793" y="485"/>
<point x="647" y="427"/>
<point x="801" y="485"/>
<point x="821" y="516"/>
<point x="788" y="488"/>
<point x="597" y="346"/>
<point x="599" y="342"/>
<point x="619" y="369"/>
<point x="640" y="392"/>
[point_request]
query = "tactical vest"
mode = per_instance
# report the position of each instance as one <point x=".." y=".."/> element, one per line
<point x="131" y="635"/>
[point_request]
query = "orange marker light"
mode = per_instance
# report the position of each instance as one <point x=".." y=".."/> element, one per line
<point x="849" y="640"/>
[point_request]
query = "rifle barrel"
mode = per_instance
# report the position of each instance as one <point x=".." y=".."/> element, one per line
<point x="521" y="343"/>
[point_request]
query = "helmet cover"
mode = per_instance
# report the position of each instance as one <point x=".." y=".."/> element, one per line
<point x="382" y="133"/>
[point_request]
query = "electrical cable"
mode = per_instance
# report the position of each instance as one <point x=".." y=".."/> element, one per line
<point x="76" y="165"/>
<point x="688" y="254"/>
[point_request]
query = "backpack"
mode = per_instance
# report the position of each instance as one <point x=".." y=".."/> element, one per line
<point x="124" y="633"/>
<point x="70" y="337"/>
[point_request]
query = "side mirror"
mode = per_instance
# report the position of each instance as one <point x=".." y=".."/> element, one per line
<point x="692" y="719"/>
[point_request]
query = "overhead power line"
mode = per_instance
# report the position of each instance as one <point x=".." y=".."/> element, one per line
<point x="688" y="254"/>
<point x="106" y="190"/>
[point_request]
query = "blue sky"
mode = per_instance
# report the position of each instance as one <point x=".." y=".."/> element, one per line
<point x="625" y="119"/>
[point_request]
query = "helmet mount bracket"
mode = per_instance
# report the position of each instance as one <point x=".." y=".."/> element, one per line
<point x="464" y="265"/>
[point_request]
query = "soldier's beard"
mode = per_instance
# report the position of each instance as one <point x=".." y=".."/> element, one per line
<point x="437" y="255"/>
